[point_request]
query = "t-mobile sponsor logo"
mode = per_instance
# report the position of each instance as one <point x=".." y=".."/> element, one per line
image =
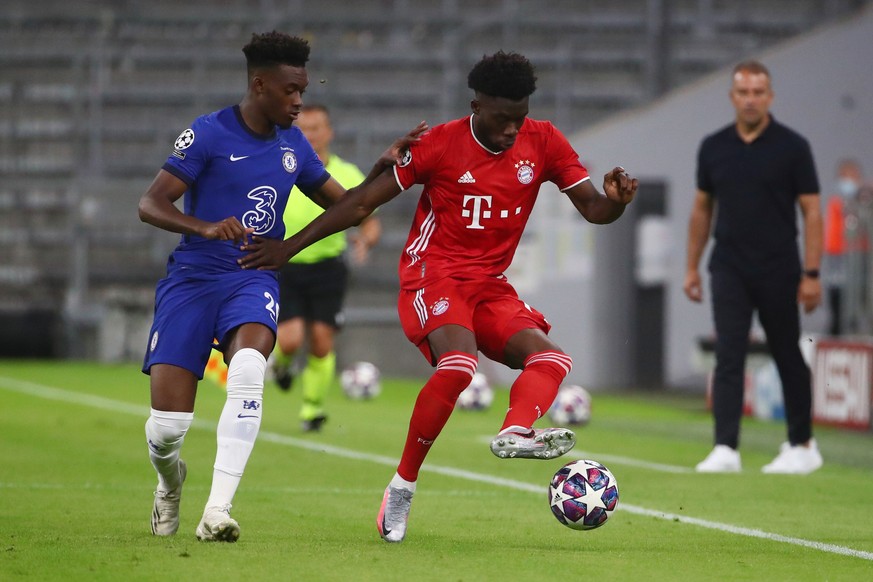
<point x="477" y="212"/>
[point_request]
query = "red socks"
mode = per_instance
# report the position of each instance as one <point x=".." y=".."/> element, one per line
<point x="535" y="389"/>
<point x="433" y="407"/>
<point x="530" y="397"/>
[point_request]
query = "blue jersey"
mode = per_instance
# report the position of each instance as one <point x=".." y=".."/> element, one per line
<point x="231" y="171"/>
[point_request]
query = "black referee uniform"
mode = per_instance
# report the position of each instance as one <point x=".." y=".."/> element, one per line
<point x="756" y="266"/>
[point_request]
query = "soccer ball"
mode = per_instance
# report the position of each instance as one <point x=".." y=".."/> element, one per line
<point x="583" y="494"/>
<point x="360" y="381"/>
<point x="478" y="395"/>
<point x="572" y="406"/>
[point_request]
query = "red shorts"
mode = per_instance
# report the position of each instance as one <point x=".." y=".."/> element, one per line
<point x="489" y="307"/>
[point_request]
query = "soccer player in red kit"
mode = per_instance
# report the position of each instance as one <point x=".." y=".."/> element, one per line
<point x="481" y="177"/>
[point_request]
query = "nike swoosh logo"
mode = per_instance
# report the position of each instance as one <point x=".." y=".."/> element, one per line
<point x="234" y="158"/>
<point x="246" y="415"/>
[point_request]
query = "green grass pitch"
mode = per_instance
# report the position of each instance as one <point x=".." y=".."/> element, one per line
<point x="76" y="492"/>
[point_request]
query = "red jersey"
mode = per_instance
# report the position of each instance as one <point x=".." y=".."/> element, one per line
<point x="476" y="202"/>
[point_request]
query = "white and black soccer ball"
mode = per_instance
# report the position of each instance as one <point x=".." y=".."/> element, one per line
<point x="478" y="395"/>
<point x="361" y="381"/>
<point x="572" y="406"/>
<point x="583" y="494"/>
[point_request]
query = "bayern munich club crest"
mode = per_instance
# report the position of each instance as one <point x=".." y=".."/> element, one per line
<point x="289" y="162"/>
<point x="525" y="172"/>
<point x="440" y="306"/>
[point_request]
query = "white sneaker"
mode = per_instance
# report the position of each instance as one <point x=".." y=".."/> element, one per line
<point x="217" y="525"/>
<point x="722" y="459"/>
<point x="165" y="513"/>
<point x="795" y="460"/>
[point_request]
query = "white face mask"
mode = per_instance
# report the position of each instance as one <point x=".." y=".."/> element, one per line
<point x="847" y="187"/>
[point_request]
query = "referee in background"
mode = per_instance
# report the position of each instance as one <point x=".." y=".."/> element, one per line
<point x="312" y="286"/>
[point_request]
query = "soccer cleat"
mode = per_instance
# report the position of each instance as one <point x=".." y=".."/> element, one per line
<point x="283" y="376"/>
<point x="394" y="514"/>
<point x="313" y="424"/>
<point x="722" y="459"/>
<point x="540" y="443"/>
<point x="165" y="514"/>
<point x="217" y="525"/>
<point x="795" y="460"/>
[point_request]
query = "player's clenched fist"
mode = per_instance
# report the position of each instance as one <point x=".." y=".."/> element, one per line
<point x="619" y="186"/>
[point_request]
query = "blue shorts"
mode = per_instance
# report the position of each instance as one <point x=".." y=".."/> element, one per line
<point x="193" y="310"/>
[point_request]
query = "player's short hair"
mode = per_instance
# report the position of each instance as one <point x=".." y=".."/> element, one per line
<point x="507" y="75"/>
<point x="272" y="49"/>
<point x="751" y="66"/>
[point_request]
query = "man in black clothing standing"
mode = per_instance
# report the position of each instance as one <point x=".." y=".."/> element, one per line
<point x="756" y="171"/>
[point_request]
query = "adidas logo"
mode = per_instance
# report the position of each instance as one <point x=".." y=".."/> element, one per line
<point x="467" y="178"/>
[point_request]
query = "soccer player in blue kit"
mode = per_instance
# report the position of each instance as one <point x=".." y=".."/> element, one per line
<point x="235" y="168"/>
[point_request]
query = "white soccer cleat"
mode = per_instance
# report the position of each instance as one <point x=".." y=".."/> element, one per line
<point x="722" y="459"/>
<point x="165" y="514"/>
<point x="544" y="443"/>
<point x="217" y="525"/>
<point x="394" y="514"/>
<point x="795" y="460"/>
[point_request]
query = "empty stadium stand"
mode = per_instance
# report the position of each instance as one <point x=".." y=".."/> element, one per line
<point x="92" y="94"/>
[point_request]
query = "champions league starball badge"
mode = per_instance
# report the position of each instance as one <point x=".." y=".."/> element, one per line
<point x="185" y="139"/>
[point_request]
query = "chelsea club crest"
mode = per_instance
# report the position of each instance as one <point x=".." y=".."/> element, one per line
<point x="289" y="162"/>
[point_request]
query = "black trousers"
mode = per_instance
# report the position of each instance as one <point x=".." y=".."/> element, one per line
<point x="735" y="297"/>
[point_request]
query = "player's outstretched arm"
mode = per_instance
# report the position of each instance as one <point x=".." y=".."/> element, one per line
<point x="342" y="211"/>
<point x="395" y="152"/>
<point x="331" y="191"/>
<point x="349" y="210"/>
<point x="598" y="208"/>
<point x="156" y="207"/>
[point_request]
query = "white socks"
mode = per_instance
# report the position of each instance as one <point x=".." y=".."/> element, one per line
<point x="165" y="432"/>
<point x="239" y="423"/>
<point x="399" y="481"/>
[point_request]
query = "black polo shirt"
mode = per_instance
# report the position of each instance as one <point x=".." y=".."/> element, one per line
<point x="755" y="187"/>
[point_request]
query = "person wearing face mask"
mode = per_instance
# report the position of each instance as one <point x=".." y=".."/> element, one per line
<point x="841" y="237"/>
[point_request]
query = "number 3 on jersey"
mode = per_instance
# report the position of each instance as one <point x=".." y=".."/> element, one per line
<point x="263" y="217"/>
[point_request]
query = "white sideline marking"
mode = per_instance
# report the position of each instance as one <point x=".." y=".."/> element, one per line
<point x="48" y="392"/>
